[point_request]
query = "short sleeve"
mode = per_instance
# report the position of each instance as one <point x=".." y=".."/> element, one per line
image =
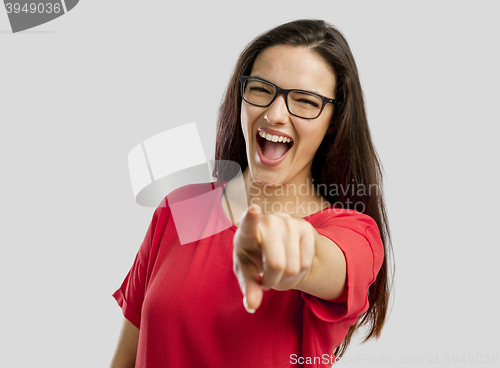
<point x="326" y="323"/>
<point x="358" y="237"/>
<point x="130" y="295"/>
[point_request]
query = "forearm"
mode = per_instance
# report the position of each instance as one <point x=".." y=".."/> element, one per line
<point x="126" y="349"/>
<point x="326" y="278"/>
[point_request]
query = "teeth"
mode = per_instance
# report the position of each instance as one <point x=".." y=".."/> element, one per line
<point x="274" y="138"/>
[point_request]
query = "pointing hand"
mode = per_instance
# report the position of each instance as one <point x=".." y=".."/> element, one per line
<point x="271" y="251"/>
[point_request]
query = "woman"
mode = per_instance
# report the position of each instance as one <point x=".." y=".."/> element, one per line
<point x="308" y="243"/>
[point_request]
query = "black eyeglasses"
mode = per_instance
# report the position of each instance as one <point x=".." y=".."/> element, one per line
<point x="304" y="104"/>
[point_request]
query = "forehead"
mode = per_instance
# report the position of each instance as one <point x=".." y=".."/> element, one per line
<point x="295" y="67"/>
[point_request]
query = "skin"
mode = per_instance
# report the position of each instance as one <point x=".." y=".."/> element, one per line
<point x="126" y="349"/>
<point x="288" y="67"/>
<point x="280" y="246"/>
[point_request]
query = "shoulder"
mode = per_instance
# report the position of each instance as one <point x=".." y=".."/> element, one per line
<point x="189" y="191"/>
<point x="179" y="195"/>
<point x="351" y="231"/>
<point x="346" y="218"/>
<point x="189" y="199"/>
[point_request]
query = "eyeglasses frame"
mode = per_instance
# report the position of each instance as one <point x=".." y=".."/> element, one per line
<point x="284" y="92"/>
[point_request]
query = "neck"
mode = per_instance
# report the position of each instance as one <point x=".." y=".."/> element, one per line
<point x="297" y="198"/>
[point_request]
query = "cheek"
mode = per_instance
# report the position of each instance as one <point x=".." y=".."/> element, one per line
<point x="244" y="122"/>
<point x="323" y="129"/>
<point x="312" y="139"/>
<point x="247" y="118"/>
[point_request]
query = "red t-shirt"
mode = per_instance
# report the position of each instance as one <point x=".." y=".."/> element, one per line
<point x="185" y="299"/>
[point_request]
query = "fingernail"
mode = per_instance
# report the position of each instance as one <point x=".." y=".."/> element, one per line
<point x="254" y="208"/>
<point x="246" y="306"/>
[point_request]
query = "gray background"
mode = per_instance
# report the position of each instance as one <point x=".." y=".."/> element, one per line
<point x="78" y="93"/>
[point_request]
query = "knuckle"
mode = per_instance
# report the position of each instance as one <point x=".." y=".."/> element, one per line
<point x="292" y="269"/>
<point x="292" y="226"/>
<point x="276" y="264"/>
<point x="306" y="264"/>
<point x="284" y="215"/>
<point x="269" y="220"/>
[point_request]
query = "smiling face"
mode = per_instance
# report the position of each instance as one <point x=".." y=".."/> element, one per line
<point x="288" y="67"/>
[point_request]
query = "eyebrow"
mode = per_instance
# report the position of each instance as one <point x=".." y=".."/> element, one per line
<point x="299" y="89"/>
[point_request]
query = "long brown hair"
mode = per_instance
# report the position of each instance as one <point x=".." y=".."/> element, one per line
<point x="345" y="157"/>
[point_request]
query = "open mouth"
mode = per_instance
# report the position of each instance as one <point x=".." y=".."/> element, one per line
<point x="272" y="146"/>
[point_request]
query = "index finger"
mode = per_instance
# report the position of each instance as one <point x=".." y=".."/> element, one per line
<point x="248" y="225"/>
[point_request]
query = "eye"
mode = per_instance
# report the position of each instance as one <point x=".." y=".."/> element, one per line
<point x="259" y="89"/>
<point x="307" y="101"/>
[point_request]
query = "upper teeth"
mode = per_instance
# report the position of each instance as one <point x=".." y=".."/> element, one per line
<point x="274" y="138"/>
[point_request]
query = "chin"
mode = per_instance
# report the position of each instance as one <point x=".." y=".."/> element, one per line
<point x="265" y="180"/>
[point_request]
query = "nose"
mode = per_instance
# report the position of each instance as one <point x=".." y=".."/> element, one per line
<point x="277" y="112"/>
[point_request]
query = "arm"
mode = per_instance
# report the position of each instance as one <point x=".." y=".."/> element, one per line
<point x="326" y="278"/>
<point x="126" y="349"/>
